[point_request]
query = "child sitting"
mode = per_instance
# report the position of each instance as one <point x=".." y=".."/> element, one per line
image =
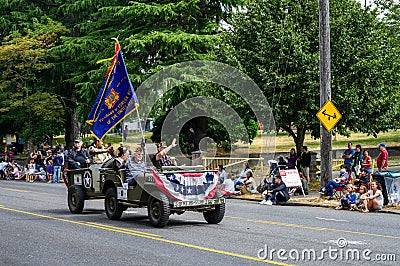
<point x="362" y="195"/>
<point x="349" y="199"/>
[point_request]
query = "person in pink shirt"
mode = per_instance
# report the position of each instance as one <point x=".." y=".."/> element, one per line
<point x="367" y="162"/>
<point x="383" y="159"/>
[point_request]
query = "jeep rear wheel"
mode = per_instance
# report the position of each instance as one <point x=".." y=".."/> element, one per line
<point x="76" y="199"/>
<point x="113" y="209"/>
<point x="215" y="216"/>
<point x="158" y="211"/>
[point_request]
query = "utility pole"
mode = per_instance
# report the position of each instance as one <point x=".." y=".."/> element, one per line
<point x="325" y="87"/>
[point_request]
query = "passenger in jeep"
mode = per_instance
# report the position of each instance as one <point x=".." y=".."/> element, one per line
<point x="161" y="158"/>
<point x="119" y="162"/>
<point x="135" y="166"/>
<point x="78" y="157"/>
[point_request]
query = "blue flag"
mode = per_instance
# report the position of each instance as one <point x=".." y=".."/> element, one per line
<point x="116" y="99"/>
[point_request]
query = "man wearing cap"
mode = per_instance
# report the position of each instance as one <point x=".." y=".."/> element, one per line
<point x="77" y="157"/>
<point x="276" y="193"/>
<point x="161" y="158"/>
<point x="135" y="166"/>
<point x="383" y="159"/>
<point x="98" y="152"/>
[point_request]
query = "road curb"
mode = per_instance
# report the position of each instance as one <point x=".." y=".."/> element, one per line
<point x="314" y="205"/>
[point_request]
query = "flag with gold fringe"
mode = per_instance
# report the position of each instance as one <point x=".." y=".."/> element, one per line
<point x="116" y="99"/>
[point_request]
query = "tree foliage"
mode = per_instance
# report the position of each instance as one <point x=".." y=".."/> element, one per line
<point x="27" y="106"/>
<point x="277" y="44"/>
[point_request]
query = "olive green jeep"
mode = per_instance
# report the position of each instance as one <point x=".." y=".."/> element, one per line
<point x="166" y="191"/>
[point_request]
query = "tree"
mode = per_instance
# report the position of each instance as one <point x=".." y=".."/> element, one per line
<point x="276" y="44"/>
<point x="28" y="108"/>
<point x="152" y="34"/>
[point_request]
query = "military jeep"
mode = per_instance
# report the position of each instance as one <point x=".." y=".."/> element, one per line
<point x="161" y="191"/>
<point x="83" y="184"/>
<point x="166" y="191"/>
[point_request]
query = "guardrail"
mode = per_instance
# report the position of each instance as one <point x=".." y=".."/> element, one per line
<point x="229" y="162"/>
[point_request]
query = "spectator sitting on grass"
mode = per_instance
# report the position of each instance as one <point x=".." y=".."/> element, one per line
<point x="276" y="193"/>
<point x="243" y="175"/>
<point x="374" y="199"/>
<point x="349" y="199"/>
<point x="362" y="195"/>
<point x="228" y="188"/>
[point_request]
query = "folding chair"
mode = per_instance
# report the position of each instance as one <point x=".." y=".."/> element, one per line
<point x="338" y="191"/>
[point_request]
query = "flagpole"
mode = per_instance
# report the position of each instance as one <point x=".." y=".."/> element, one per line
<point x="143" y="143"/>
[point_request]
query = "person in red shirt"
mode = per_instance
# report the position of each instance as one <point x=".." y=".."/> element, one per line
<point x="383" y="158"/>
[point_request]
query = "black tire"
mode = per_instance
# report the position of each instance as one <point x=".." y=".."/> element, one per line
<point x="158" y="211"/>
<point x="76" y="199"/>
<point x="215" y="216"/>
<point x="113" y="209"/>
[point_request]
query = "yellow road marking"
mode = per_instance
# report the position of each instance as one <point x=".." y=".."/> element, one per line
<point x="33" y="192"/>
<point x="16" y="190"/>
<point x="147" y="236"/>
<point x="310" y="227"/>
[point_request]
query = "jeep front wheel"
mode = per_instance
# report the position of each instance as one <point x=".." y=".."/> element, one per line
<point x="113" y="209"/>
<point x="215" y="216"/>
<point x="158" y="211"/>
<point x="76" y="199"/>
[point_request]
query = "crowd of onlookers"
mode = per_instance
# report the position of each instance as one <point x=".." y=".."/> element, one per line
<point x="354" y="186"/>
<point x="45" y="164"/>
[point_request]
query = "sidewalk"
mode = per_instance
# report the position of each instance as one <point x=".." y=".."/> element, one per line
<point x="313" y="199"/>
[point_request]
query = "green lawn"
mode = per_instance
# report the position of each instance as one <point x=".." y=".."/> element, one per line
<point x="284" y="142"/>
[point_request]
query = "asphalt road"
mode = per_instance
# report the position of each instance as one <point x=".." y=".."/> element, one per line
<point x="38" y="229"/>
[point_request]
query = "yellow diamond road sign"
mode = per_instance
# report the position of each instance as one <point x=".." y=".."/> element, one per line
<point x="329" y="115"/>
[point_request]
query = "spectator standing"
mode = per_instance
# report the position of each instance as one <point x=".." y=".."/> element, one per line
<point x="292" y="159"/>
<point x="58" y="163"/>
<point x="348" y="157"/>
<point x="305" y="162"/>
<point x="31" y="171"/>
<point x="49" y="156"/>
<point x="383" y="159"/>
<point x="282" y="164"/>
<point x="3" y="166"/>
<point x="357" y="159"/>
<point x="126" y="131"/>
<point x="367" y="162"/>
<point x="50" y="171"/>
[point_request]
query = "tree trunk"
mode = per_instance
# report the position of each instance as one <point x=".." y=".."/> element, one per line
<point x="298" y="139"/>
<point x="71" y="121"/>
<point x="301" y="134"/>
<point x="200" y="130"/>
